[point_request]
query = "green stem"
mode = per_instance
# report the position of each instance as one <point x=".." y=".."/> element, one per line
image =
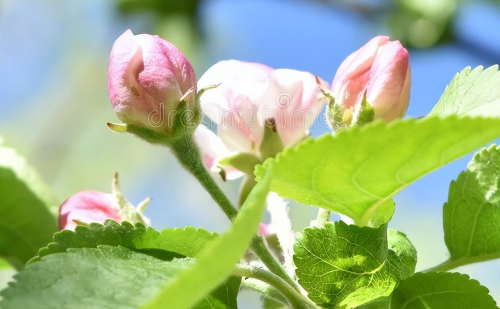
<point x="188" y="154"/>
<point x="452" y="264"/>
<point x="324" y="216"/>
<point x="265" y="290"/>
<point x="295" y="298"/>
<point x="260" y="248"/>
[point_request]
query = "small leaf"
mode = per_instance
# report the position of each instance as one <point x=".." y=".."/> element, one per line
<point x="441" y="291"/>
<point x="344" y="266"/>
<point x="471" y="93"/>
<point x="216" y="262"/>
<point x="358" y="170"/>
<point x="186" y="241"/>
<point x="103" y="277"/>
<point x="405" y="255"/>
<point x="28" y="209"/>
<point x="471" y="217"/>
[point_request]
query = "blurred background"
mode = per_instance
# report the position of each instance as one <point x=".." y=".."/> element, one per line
<point x="54" y="101"/>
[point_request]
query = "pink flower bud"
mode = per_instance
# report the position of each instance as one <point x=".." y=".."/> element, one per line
<point x="87" y="207"/>
<point x="381" y="69"/>
<point x="250" y="94"/>
<point x="147" y="78"/>
<point x="96" y="207"/>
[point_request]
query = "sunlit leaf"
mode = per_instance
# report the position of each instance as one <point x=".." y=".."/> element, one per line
<point x="28" y="209"/>
<point x="106" y="278"/>
<point x="357" y="171"/>
<point x="471" y="217"/>
<point x="441" y="291"/>
<point x="471" y="93"/>
<point x="344" y="266"/>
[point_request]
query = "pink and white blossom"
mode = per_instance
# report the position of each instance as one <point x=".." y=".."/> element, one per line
<point x="249" y="94"/>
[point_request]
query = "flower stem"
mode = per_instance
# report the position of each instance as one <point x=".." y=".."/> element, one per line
<point x="295" y="298"/>
<point x="452" y="264"/>
<point x="266" y="291"/>
<point x="260" y="248"/>
<point x="188" y="154"/>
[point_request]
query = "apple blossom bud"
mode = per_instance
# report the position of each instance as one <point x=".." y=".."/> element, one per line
<point x="380" y="71"/>
<point x="148" y="78"/>
<point x="89" y="206"/>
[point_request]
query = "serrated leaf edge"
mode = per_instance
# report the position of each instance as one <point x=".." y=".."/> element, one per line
<point x="48" y="250"/>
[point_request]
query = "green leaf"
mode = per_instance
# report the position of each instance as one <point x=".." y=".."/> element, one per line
<point x="28" y="209"/>
<point x="344" y="266"/>
<point x="103" y="277"/>
<point x="186" y="241"/>
<point x="216" y="262"/>
<point x="357" y="171"/>
<point x="441" y="291"/>
<point x="379" y="303"/>
<point x="471" y="217"/>
<point x="405" y="255"/>
<point x="471" y="93"/>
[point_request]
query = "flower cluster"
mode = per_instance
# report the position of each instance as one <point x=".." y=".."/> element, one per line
<point x="258" y="110"/>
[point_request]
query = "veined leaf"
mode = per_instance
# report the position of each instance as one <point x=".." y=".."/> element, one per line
<point x="357" y="171"/>
<point x="106" y="278"/>
<point x="344" y="266"/>
<point x="471" y="93"/>
<point x="441" y="291"/>
<point x="471" y="217"/>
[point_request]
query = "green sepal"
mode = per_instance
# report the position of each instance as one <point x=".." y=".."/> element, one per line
<point x="271" y="143"/>
<point x="186" y="120"/>
<point x="244" y="162"/>
<point x="148" y="135"/>
<point x="335" y="116"/>
<point x="340" y="117"/>
<point x="364" y="113"/>
<point x="246" y="187"/>
<point x="181" y="122"/>
<point x="127" y="211"/>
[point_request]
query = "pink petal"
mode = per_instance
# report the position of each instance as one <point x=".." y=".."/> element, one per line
<point x="212" y="148"/>
<point x="88" y="207"/>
